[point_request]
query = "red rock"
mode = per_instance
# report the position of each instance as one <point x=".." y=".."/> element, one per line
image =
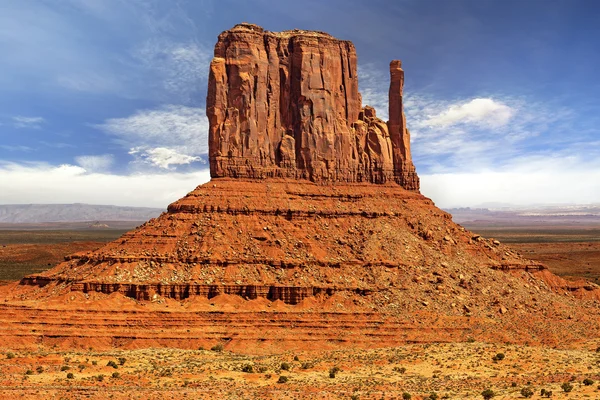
<point x="351" y="262"/>
<point x="287" y="105"/>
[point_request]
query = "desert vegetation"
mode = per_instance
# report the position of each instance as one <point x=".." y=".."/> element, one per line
<point x="430" y="371"/>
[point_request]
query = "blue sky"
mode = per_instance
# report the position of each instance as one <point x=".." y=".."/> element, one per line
<point x="103" y="101"/>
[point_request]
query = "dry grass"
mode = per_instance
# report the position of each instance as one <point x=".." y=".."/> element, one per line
<point x="458" y="371"/>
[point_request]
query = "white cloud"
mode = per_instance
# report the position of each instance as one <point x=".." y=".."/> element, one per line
<point x="180" y="67"/>
<point x="163" y="157"/>
<point x="170" y="126"/>
<point x="480" y="111"/>
<point x="171" y="135"/>
<point x="563" y="178"/>
<point x="98" y="163"/>
<point x="44" y="183"/>
<point x="28" y="122"/>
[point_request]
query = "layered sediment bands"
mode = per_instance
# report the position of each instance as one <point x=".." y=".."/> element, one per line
<point x="144" y="292"/>
<point x="286" y="105"/>
<point x="280" y="240"/>
<point x="240" y="331"/>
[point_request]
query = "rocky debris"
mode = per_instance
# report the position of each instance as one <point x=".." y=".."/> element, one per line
<point x="286" y="105"/>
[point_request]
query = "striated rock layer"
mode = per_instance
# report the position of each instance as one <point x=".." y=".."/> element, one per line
<point x="267" y="256"/>
<point x="287" y="105"/>
<point x="282" y="240"/>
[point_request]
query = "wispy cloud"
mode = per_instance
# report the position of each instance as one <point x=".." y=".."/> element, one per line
<point x="16" y="148"/>
<point x="28" y="122"/>
<point x="181" y="67"/>
<point x="480" y="112"/>
<point x="374" y="86"/>
<point x="95" y="163"/>
<point x="170" y="135"/>
<point x="163" y="157"/>
<point x="131" y="49"/>
<point x="91" y="82"/>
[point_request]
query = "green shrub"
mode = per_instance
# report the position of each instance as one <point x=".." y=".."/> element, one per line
<point x="588" y="382"/>
<point x="296" y="358"/>
<point x="488" y="394"/>
<point x="122" y="360"/>
<point x="498" y="357"/>
<point x="29" y="372"/>
<point x="116" y="375"/>
<point x="333" y="371"/>
<point x="282" y="379"/>
<point x="285" y="366"/>
<point x="113" y="364"/>
<point x="546" y="393"/>
<point x="81" y="367"/>
<point x="406" y="396"/>
<point x="566" y="387"/>
<point x="70" y="375"/>
<point x="100" y="378"/>
<point x="10" y="355"/>
<point x="526" y="392"/>
<point x="94" y="362"/>
<point x="247" y="368"/>
<point x="433" y="396"/>
<point x="217" y="347"/>
<point x="400" y="369"/>
<point x="65" y="368"/>
<point x="39" y="369"/>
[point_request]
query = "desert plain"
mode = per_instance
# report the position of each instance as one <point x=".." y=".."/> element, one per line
<point x="450" y="370"/>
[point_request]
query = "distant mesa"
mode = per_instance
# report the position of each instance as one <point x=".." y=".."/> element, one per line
<point x="66" y="213"/>
<point x="99" y="225"/>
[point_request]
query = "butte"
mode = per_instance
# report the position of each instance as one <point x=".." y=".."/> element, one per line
<point x="311" y="234"/>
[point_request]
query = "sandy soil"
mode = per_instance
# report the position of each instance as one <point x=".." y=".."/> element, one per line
<point x="458" y="371"/>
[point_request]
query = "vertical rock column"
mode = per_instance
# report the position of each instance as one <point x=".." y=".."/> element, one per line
<point x="404" y="170"/>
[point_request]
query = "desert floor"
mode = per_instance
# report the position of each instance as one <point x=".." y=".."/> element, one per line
<point x="458" y="371"/>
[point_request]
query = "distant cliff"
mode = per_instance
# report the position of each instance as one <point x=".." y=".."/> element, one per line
<point x="35" y="213"/>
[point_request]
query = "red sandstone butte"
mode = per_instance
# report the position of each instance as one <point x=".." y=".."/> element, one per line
<point x="311" y="233"/>
<point x="287" y="105"/>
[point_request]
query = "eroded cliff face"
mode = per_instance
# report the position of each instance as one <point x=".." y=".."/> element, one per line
<point x="287" y="105"/>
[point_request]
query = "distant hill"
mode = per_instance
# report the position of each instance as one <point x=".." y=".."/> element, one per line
<point x="573" y="215"/>
<point x="41" y="213"/>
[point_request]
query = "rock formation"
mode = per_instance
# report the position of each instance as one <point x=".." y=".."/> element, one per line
<point x="311" y="232"/>
<point x="287" y="105"/>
